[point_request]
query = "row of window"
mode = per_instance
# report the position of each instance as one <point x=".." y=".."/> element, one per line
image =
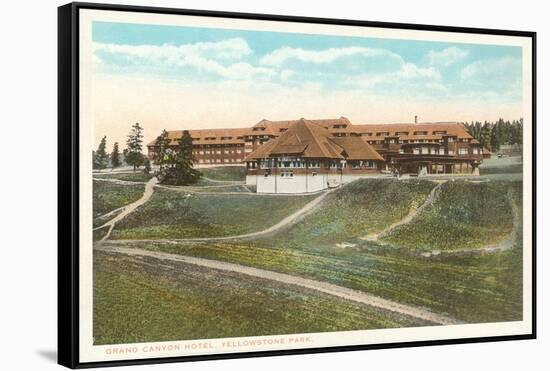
<point x="218" y="152"/>
<point x="400" y="133"/>
<point x="441" y="151"/>
<point x="219" y="160"/>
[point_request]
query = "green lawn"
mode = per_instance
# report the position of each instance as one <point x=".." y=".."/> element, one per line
<point x="143" y="299"/>
<point x="465" y="215"/>
<point x="228" y="173"/>
<point x="108" y="196"/>
<point x="138" y="176"/>
<point x="176" y="214"/>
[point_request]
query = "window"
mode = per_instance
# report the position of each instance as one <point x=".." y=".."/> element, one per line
<point x="219" y="152"/>
<point x="463" y="151"/>
<point x="442" y="151"/>
<point x="451" y="152"/>
<point x="313" y="164"/>
<point x="287" y="174"/>
<point x="440" y="132"/>
<point x="398" y="133"/>
<point x="416" y="151"/>
<point x="367" y="134"/>
<point x="425" y="150"/>
<point x="475" y="151"/>
<point x="401" y="150"/>
<point x="382" y="134"/>
<point x="420" y="133"/>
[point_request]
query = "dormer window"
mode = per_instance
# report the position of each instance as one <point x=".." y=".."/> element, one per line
<point x="420" y="133"/>
<point x="382" y="134"/>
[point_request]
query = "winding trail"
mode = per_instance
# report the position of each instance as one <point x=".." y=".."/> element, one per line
<point x="284" y="223"/>
<point x="118" y="181"/>
<point x="149" y="189"/>
<point x="233" y="182"/>
<point x="432" y="196"/>
<point x="327" y="288"/>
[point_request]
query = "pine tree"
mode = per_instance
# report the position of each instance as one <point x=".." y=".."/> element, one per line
<point x="115" y="156"/>
<point x="101" y="158"/>
<point x="485" y="136"/>
<point x="180" y="169"/>
<point x="134" y="143"/>
<point x="163" y="156"/>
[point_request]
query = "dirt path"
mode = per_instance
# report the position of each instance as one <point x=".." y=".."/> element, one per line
<point x="117" y="181"/>
<point x="233" y="182"/>
<point x="327" y="288"/>
<point x="284" y="223"/>
<point x="248" y="192"/>
<point x="432" y="196"/>
<point x="149" y="189"/>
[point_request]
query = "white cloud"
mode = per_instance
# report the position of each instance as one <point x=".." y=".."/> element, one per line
<point x="447" y="56"/>
<point x="502" y="69"/>
<point x="219" y="58"/>
<point x="281" y="55"/>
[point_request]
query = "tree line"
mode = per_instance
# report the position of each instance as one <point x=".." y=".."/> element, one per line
<point x="493" y="135"/>
<point x="132" y="155"/>
<point x="175" y="163"/>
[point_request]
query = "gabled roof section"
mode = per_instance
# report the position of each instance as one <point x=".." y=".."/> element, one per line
<point x="309" y="140"/>
<point x="303" y="138"/>
<point x="357" y="149"/>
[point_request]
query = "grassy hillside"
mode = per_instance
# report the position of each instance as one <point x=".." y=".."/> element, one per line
<point x="174" y="214"/>
<point x="360" y="208"/>
<point x="475" y="288"/>
<point x="138" y="300"/>
<point x="108" y="196"/>
<point x="465" y="215"/>
<point x="228" y="173"/>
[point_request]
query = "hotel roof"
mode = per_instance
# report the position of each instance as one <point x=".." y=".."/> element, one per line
<point x="307" y="139"/>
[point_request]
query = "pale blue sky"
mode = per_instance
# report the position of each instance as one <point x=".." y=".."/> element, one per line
<point x="173" y="77"/>
<point x="384" y="66"/>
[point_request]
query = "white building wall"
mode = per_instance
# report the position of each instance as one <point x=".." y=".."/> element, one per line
<point x="265" y="184"/>
<point x="316" y="183"/>
<point x="251" y="179"/>
<point x="294" y="184"/>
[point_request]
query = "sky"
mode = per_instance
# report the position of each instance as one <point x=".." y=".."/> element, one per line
<point x="173" y="77"/>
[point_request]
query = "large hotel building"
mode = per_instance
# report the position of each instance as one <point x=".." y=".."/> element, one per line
<point x="321" y="152"/>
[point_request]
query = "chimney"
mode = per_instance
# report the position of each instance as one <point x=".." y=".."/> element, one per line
<point x="416" y="119"/>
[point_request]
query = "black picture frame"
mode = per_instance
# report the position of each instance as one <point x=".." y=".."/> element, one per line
<point x="68" y="180"/>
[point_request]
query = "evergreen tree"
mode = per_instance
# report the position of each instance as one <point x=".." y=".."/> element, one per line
<point x="101" y="158"/>
<point x="164" y="154"/>
<point x="180" y="168"/>
<point x="115" y="156"/>
<point x="133" y="155"/>
<point x="485" y="135"/>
